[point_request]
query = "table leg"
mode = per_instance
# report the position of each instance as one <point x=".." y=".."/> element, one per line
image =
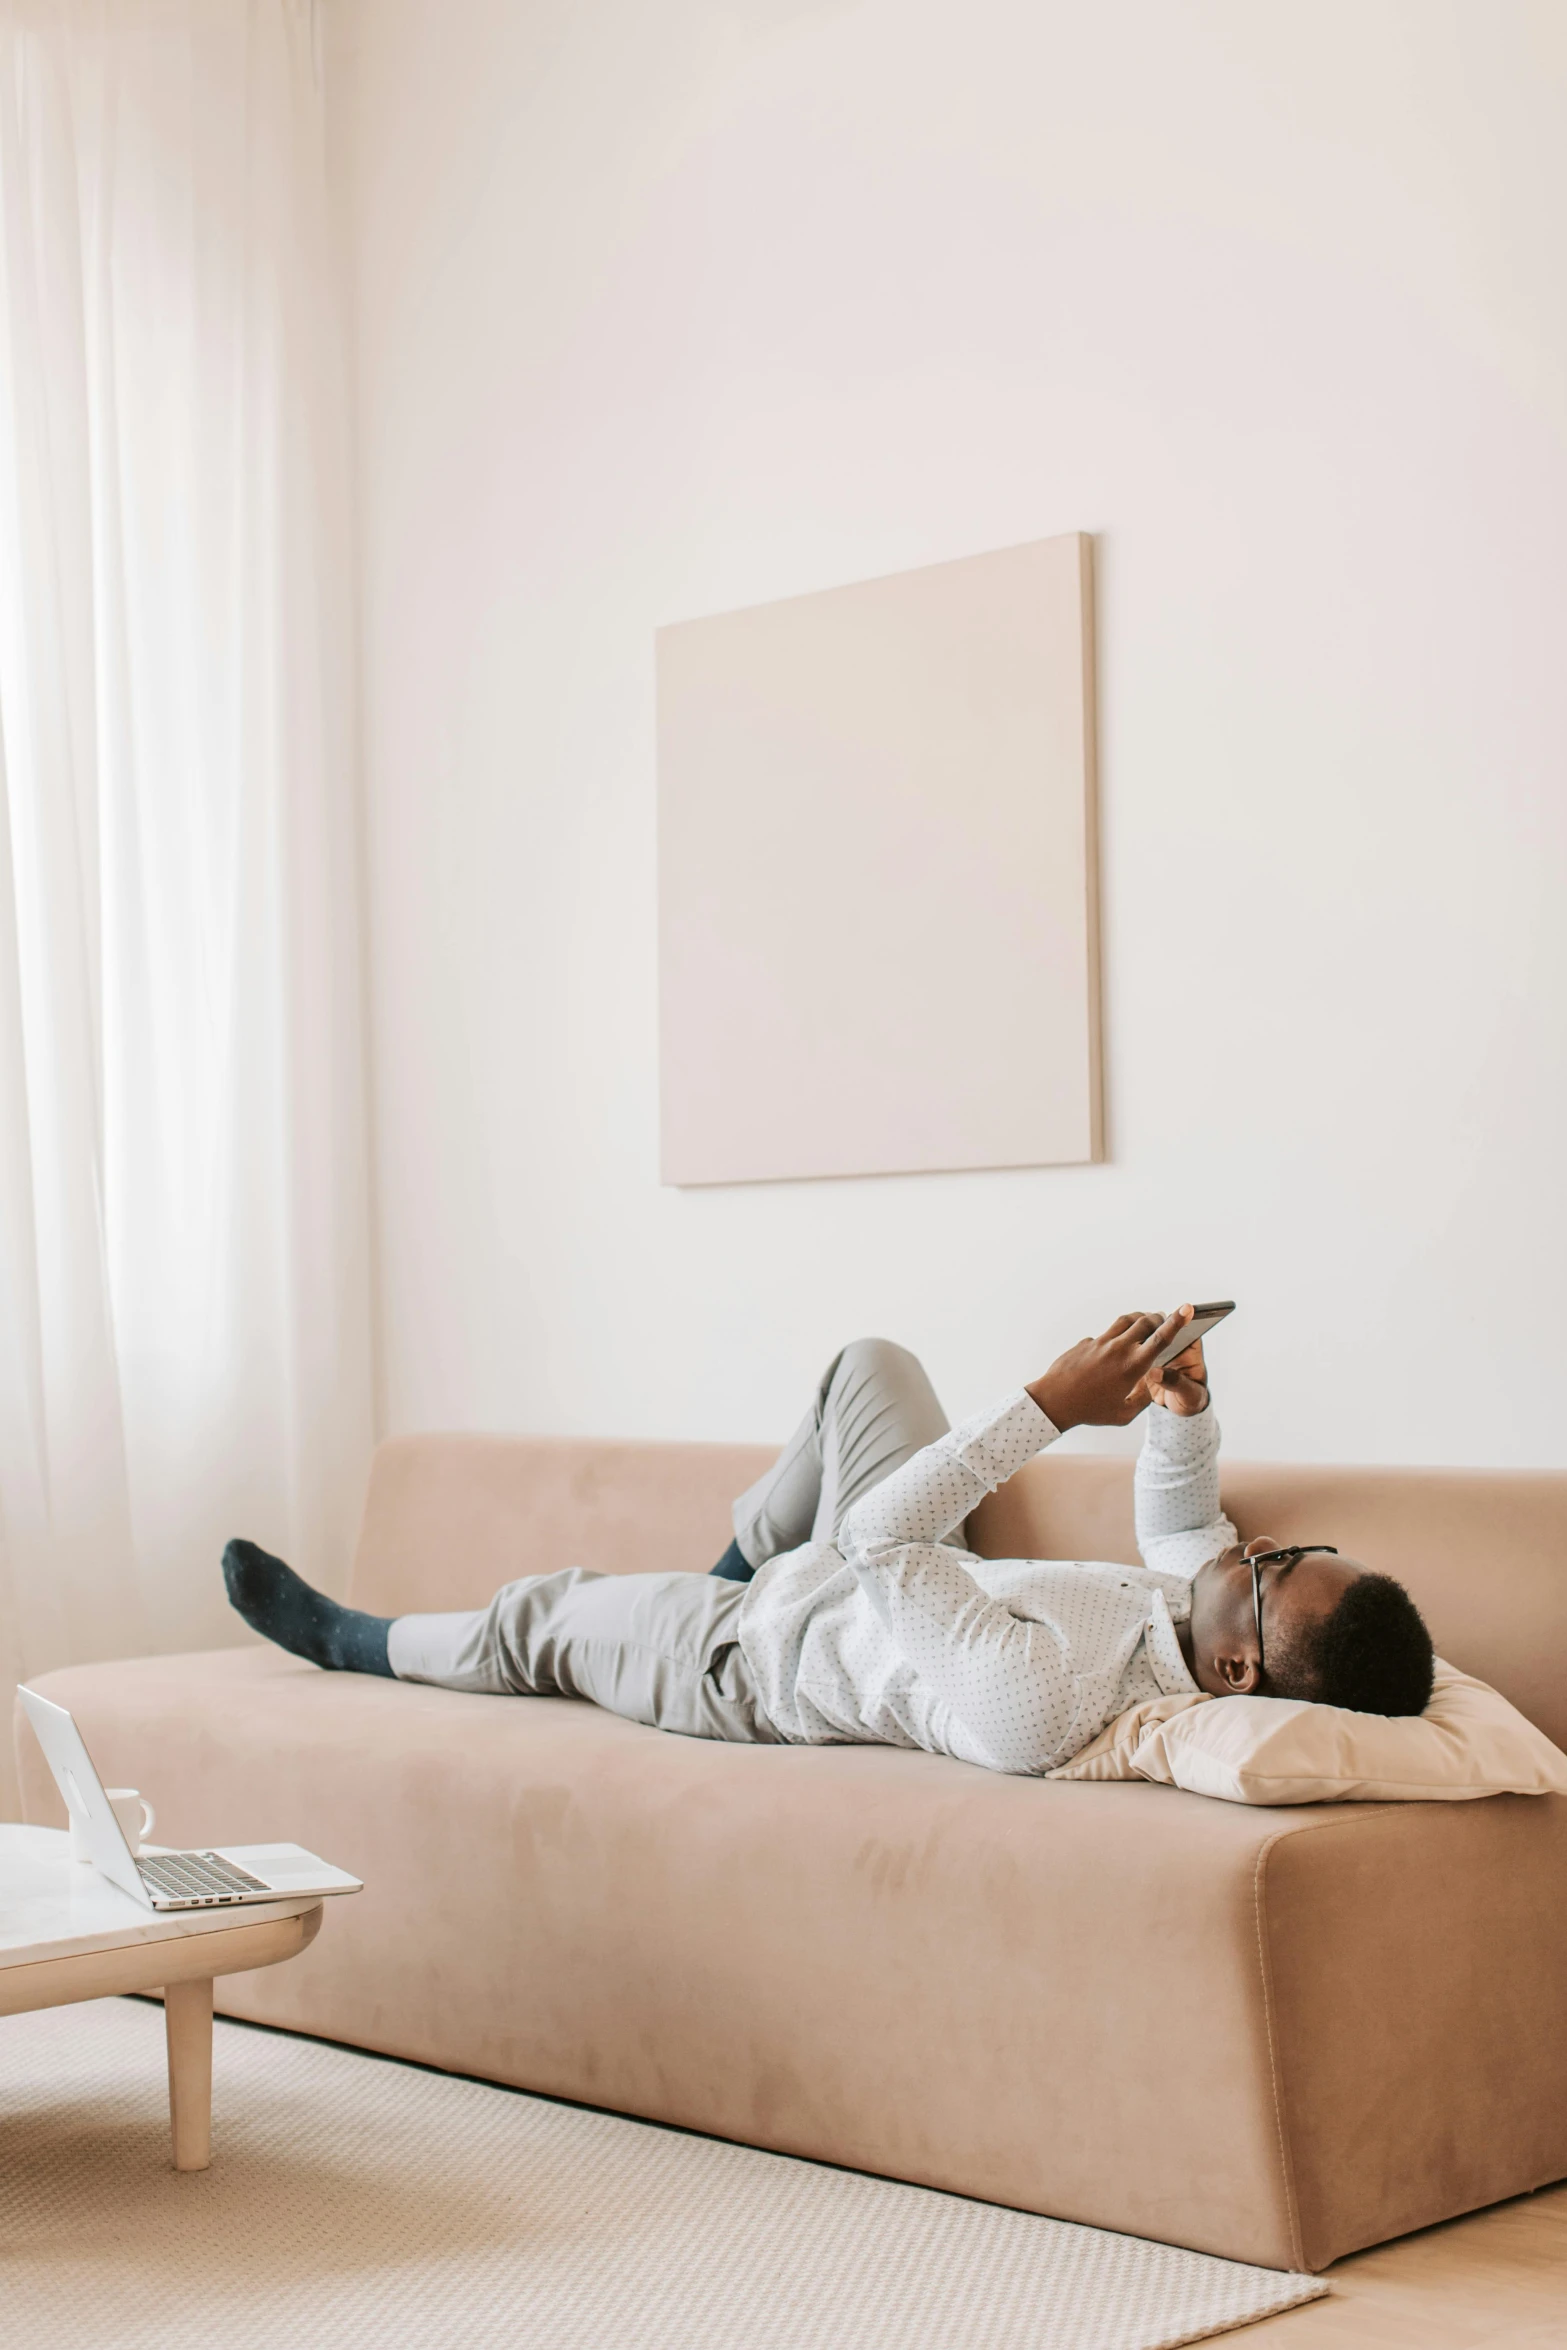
<point x="187" y="2021"/>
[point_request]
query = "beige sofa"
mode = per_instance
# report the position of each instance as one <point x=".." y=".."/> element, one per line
<point x="1278" y="2035"/>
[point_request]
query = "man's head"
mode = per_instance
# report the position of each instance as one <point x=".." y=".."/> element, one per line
<point x="1270" y="1621"/>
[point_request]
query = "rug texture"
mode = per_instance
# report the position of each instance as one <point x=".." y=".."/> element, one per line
<point x="357" y="2202"/>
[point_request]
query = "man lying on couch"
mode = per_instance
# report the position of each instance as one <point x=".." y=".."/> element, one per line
<point x="846" y="1608"/>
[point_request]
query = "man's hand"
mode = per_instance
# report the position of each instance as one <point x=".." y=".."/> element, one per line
<point x="1182" y="1385"/>
<point x="1104" y="1382"/>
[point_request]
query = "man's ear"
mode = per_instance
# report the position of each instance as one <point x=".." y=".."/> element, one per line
<point x="1241" y="1675"/>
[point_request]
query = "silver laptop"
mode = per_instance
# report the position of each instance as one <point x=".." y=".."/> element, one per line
<point x="169" y="1880"/>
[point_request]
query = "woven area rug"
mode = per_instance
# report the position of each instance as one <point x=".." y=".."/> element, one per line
<point x="358" y="2202"/>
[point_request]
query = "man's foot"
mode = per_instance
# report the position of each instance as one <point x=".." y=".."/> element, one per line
<point x="276" y="1601"/>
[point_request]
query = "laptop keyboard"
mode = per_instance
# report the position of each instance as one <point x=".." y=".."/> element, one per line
<point x="196" y="1876"/>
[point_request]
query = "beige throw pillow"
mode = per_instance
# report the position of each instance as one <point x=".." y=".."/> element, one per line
<point x="1468" y="1742"/>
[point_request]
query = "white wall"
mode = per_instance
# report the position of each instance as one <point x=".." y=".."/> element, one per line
<point x="661" y="310"/>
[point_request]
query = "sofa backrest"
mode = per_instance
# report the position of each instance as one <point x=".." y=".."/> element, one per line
<point x="450" y="1518"/>
<point x="1484" y="1552"/>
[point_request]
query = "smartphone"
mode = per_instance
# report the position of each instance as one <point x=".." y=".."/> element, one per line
<point x="1202" y="1321"/>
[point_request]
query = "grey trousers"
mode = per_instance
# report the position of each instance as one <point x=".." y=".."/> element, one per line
<point x="664" y="1649"/>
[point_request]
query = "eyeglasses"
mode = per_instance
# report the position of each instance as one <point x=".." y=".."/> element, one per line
<point x="1266" y="1558"/>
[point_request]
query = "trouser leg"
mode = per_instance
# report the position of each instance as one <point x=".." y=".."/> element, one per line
<point x="874" y="1409"/>
<point x="660" y="1649"/>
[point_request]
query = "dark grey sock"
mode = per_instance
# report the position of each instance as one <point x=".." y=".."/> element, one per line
<point x="276" y="1601"/>
<point x="734" y="1566"/>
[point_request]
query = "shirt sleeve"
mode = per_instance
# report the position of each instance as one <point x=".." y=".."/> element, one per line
<point x="1009" y="1679"/>
<point x="1180" y="1519"/>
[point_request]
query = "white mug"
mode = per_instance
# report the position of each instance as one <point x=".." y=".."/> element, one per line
<point x="134" y="1813"/>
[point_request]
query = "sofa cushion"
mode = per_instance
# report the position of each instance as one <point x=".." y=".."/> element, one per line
<point x="1468" y="1743"/>
<point x="1276" y="2035"/>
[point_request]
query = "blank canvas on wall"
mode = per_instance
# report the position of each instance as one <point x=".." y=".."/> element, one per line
<point x="877" y="876"/>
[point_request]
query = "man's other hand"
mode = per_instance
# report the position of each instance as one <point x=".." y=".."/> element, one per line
<point x="1103" y="1382"/>
<point x="1182" y="1384"/>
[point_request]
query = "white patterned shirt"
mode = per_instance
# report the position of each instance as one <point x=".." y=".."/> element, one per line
<point x="892" y="1636"/>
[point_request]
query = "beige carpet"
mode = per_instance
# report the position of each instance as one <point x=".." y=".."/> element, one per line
<point x="366" y="2204"/>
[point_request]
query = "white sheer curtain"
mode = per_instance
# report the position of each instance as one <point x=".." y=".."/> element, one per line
<point x="184" y="1291"/>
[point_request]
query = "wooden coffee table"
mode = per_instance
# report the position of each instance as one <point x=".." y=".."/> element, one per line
<point x="66" y="1933"/>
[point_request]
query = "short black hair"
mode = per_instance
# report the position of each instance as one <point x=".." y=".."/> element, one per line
<point x="1373" y="1654"/>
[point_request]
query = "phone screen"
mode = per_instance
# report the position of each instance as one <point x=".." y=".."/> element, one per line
<point x="1204" y="1319"/>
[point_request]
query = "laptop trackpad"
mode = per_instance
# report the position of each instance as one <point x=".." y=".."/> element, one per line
<point x="286" y="1867"/>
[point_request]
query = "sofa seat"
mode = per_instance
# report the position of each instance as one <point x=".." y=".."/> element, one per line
<point x="1276" y="2035"/>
